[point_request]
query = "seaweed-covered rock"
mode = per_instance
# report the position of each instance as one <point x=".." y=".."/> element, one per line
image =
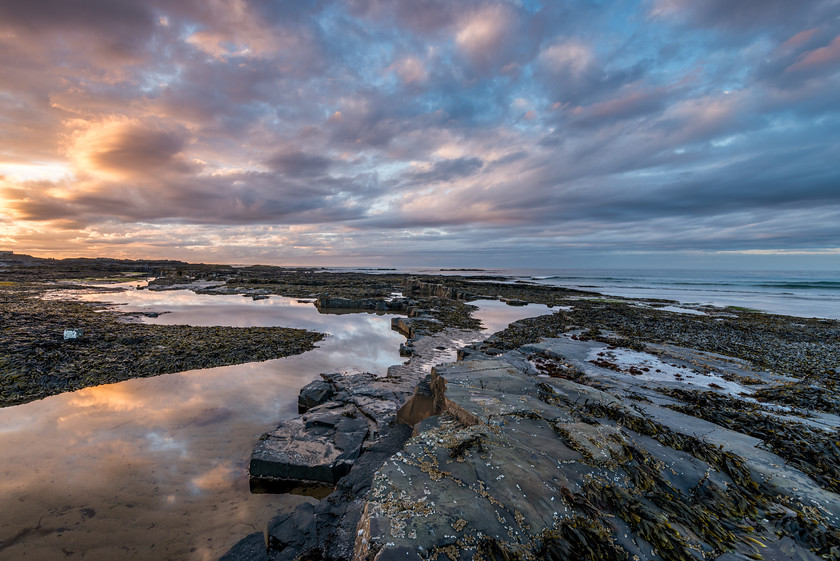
<point x="525" y="467"/>
<point x="350" y="304"/>
<point x="38" y="361"/>
<point x="417" y="287"/>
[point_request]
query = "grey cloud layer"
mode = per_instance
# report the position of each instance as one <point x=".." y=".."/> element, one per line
<point x="532" y="126"/>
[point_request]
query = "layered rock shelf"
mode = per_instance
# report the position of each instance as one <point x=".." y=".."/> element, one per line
<point x="518" y="465"/>
<point x="580" y="444"/>
<point x="611" y="429"/>
<point x="366" y="304"/>
<point x="348" y="426"/>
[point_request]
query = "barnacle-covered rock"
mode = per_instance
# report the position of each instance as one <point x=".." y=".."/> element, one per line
<point x="518" y="466"/>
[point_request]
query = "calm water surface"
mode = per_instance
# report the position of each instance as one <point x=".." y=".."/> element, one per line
<point x="156" y="468"/>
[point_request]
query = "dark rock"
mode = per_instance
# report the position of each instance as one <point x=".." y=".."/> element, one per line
<point x="376" y="304"/>
<point x="317" y="448"/>
<point x="361" y="422"/>
<point x="250" y="548"/>
<point x="403" y="326"/>
<point x="327" y="529"/>
<point x="313" y="394"/>
<point x="292" y="534"/>
<point x="523" y="467"/>
<point x="422" y="405"/>
<point x="416" y="287"/>
<point x="411" y="327"/>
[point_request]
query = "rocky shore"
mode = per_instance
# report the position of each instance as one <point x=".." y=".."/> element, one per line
<point x="608" y="429"/>
<point x="106" y="346"/>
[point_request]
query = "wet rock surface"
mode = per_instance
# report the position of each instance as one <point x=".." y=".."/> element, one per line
<point x="374" y="304"/>
<point x="251" y="547"/>
<point x="572" y="436"/>
<point x="611" y="429"/>
<point x="332" y="450"/>
<point x="522" y="465"/>
<point x="318" y="448"/>
<point x="314" y="394"/>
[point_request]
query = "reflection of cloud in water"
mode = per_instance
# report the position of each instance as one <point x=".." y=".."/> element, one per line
<point x="650" y="368"/>
<point x="140" y="450"/>
<point x="188" y="308"/>
<point x="162" y="443"/>
<point x="110" y="397"/>
<point x="496" y="316"/>
<point x="217" y="477"/>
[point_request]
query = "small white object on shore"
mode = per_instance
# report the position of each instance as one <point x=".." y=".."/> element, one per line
<point x="73" y="334"/>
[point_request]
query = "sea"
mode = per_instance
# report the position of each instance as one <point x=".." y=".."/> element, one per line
<point x="810" y="294"/>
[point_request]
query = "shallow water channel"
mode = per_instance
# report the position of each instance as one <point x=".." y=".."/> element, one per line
<point x="156" y="468"/>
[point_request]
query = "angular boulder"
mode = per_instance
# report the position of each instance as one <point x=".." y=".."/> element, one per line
<point x="314" y="394"/>
<point x="315" y="450"/>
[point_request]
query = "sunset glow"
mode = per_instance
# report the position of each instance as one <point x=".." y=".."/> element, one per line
<point x="492" y="132"/>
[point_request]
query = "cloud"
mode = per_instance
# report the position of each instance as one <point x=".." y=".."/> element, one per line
<point x="425" y="17"/>
<point x="382" y="127"/>
<point x="121" y="27"/>
<point x="819" y="60"/>
<point x="737" y="16"/>
<point x="573" y="72"/>
<point x="569" y="58"/>
<point x="447" y="170"/>
<point x="628" y="104"/>
<point x="119" y="148"/>
<point x="410" y="69"/>
<point x="483" y="34"/>
<point x="242" y="198"/>
<point x="299" y="164"/>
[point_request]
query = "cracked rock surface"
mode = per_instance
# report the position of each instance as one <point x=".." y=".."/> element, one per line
<point x="519" y="465"/>
<point x="349" y="425"/>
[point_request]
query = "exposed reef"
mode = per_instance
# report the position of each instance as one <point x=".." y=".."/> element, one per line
<point x="38" y="360"/>
<point x="348" y="426"/>
<point x="607" y="430"/>
<point x="611" y="428"/>
<point x="522" y="465"/>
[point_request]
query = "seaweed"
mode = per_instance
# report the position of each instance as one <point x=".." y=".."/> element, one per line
<point x="813" y="451"/>
<point x="806" y="396"/>
<point x="580" y="538"/>
<point x="37" y="362"/>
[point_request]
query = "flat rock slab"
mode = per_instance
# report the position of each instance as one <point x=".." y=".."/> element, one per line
<point x="319" y="448"/>
<point x="517" y="465"/>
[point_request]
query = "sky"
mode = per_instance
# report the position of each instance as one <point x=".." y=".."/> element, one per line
<point x="500" y="133"/>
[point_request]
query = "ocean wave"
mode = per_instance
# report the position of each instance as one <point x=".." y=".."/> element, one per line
<point x="710" y="285"/>
<point x="578" y="278"/>
<point x="805" y="285"/>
